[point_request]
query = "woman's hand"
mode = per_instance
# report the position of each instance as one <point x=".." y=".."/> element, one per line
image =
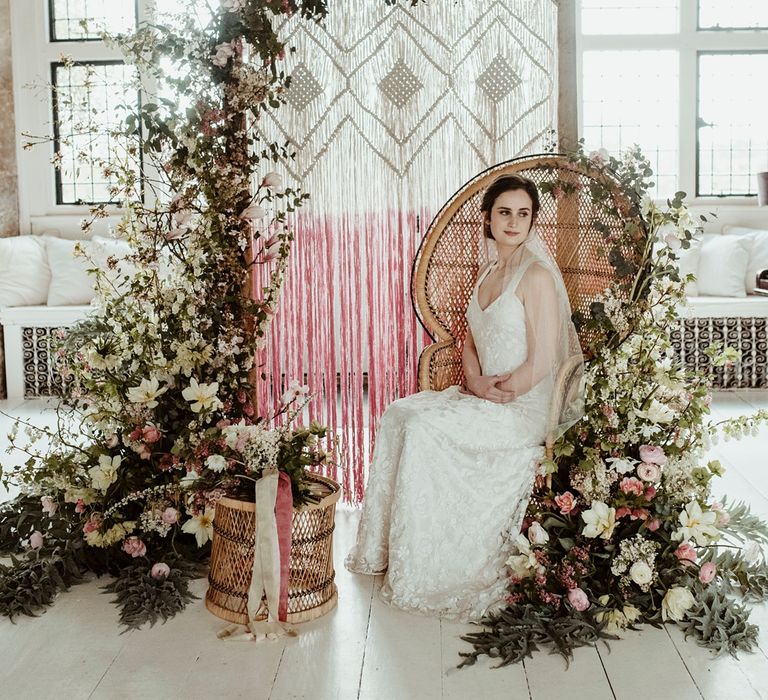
<point x="487" y="387"/>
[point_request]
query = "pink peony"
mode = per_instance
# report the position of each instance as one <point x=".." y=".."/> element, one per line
<point x="134" y="546"/>
<point x="707" y="572"/>
<point x="170" y="516"/>
<point x="36" y="539"/>
<point x="578" y="599"/>
<point x="652" y="455"/>
<point x="566" y="502"/>
<point x="150" y="433"/>
<point x="49" y="505"/>
<point x="160" y="570"/>
<point x="686" y="554"/>
<point x="632" y="485"/>
<point x="653" y="524"/>
<point x="649" y="472"/>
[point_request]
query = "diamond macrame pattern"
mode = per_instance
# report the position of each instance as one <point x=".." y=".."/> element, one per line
<point x="304" y="88"/>
<point x="498" y="80"/>
<point x="400" y="84"/>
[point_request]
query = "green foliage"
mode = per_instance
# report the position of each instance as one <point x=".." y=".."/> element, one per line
<point x="516" y="632"/>
<point x="143" y="599"/>
<point x="744" y="524"/>
<point x="719" y="623"/>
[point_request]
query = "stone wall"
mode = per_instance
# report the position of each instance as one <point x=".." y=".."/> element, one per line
<point x="9" y="204"/>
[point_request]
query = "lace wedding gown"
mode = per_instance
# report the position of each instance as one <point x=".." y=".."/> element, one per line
<point x="451" y="478"/>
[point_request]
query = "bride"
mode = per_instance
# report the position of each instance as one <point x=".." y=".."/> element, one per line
<point x="452" y="471"/>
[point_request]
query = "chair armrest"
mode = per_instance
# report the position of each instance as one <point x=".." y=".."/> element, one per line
<point x="440" y="366"/>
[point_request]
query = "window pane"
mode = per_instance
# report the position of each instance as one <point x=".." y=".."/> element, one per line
<point x="631" y="97"/>
<point x="89" y="101"/>
<point x="630" y="16"/>
<point x="733" y="140"/>
<point x="736" y="14"/>
<point x="110" y="15"/>
<point x="162" y="8"/>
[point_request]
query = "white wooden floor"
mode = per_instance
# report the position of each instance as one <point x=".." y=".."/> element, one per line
<point x="364" y="649"/>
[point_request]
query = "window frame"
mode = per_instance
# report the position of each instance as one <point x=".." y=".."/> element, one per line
<point x="32" y="59"/>
<point x="690" y="42"/>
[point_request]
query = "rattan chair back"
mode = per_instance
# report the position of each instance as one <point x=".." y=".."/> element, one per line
<point x="445" y="269"/>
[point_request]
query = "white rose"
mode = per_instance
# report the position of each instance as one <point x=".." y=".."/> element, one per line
<point x="641" y="573"/>
<point x="216" y="463"/>
<point x="537" y="534"/>
<point x="676" y="603"/>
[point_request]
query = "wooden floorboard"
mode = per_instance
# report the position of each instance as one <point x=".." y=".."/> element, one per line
<point x="364" y="648"/>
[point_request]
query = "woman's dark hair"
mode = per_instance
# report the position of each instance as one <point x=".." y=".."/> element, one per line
<point x="502" y="184"/>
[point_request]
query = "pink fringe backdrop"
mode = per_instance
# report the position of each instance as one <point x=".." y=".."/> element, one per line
<point x="346" y="327"/>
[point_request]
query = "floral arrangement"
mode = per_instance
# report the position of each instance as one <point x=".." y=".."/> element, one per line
<point x="158" y="419"/>
<point x="622" y="528"/>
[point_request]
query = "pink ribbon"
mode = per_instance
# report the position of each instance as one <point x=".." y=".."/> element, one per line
<point x="284" y="521"/>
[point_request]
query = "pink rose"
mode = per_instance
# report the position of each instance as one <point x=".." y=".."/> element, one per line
<point x="632" y="485"/>
<point x="49" y="505"/>
<point x="143" y="451"/>
<point x="653" y="524"/>
<point x="686" y="554"/>
<point x="621" y="512"/>
<point x="578" y="599"/>
<point x="566" y="502"/>
<point x="649" y="472"/>
<point x="80" y="506"/>
<point x="723" y="516"/>
<point x="135" y="434"/>
<point x="92" y="524"/>
<point x="639" y="514"/>
<point x="151" y="434"/>
<point x="707" y="572"/>
<point x="649" y="493"/>
<point x="134" y="546"/>
<point x="160" y="570"/>
<point x="170" y="516"/>
<point x="36" y="539"/>
<point x="652" y="455"/>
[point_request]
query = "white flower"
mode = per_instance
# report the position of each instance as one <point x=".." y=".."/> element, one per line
<point x="223" y="53"/>
<point x="202" y="396"/>
<point x="104" y="474"/>
<point x="147" y="392"/>
<point x="696" y="525"/>
<point x="623" y="465"/>
<point x="657" y="413"/>
<point x="294" y="391"/>
<point x="646" y="206"/>
<point x="201" y="526"/>
<point x="537" y="534"/>
<point x="188" y="480"/>
<point x="274" y="181"/>
<point x="524" y="563"/>
<point x="233" y="5"/>
<point x="641" y="573"/>
<point x="676" y="603"/>
<point x="253" y="213"/>
<point x="216" y="463"/>
<point x="600" y="520"/>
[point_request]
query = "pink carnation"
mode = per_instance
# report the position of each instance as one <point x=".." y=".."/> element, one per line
<point x="48" y="505"/>
<point x="565" y="502"/>
<point x="652" y="455"/>
<point x="707" y="572"/>
<point x="632" y="485"/>
<point x="649" y="472"/>
<point x="578" y="599"/>
<point x="134" y="546"/>
<point x="161" y="570"/>
<point x="151" y="433"/>
<point x="686" y="553"/>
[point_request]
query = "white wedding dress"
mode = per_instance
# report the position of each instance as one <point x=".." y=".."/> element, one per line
<point x="451" y="478"/>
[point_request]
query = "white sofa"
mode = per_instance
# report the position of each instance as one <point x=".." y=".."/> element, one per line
<point x="44" y="286"/>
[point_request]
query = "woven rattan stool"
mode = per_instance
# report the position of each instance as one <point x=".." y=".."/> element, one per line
<point x="311" y="584"/>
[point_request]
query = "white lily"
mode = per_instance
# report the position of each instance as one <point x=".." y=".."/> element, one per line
<point x="147" y="392"/>
<point x="201" y="526"/>
<point x="202" y="396"/>
<point x="600" y="520"/>
<point x="104" y="474"/>
<point x="696" y="525"/>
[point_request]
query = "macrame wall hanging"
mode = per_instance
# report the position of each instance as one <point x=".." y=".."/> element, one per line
<point x="390" y="111"/>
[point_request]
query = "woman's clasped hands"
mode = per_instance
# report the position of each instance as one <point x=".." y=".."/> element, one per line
<point x="490" y="387"/>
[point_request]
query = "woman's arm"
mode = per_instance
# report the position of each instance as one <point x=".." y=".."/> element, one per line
<point x="485" y="387"/>
<point x="542" y="329"/>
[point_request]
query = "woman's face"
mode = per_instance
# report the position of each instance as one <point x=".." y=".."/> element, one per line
<point x="511" y="218"/>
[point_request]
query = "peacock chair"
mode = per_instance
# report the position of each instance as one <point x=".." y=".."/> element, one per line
<point x="572" y="226"/>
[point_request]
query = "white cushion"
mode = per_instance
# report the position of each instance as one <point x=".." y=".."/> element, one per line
<point x="725" y="307"/>
<point x="758" y="251"/>
<point x="688" y="263"/>
<point x="24" y="273"/>
<point x="102" y="249"/>
<point x="723" y="266"/>
<point x="70" y="282"/>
